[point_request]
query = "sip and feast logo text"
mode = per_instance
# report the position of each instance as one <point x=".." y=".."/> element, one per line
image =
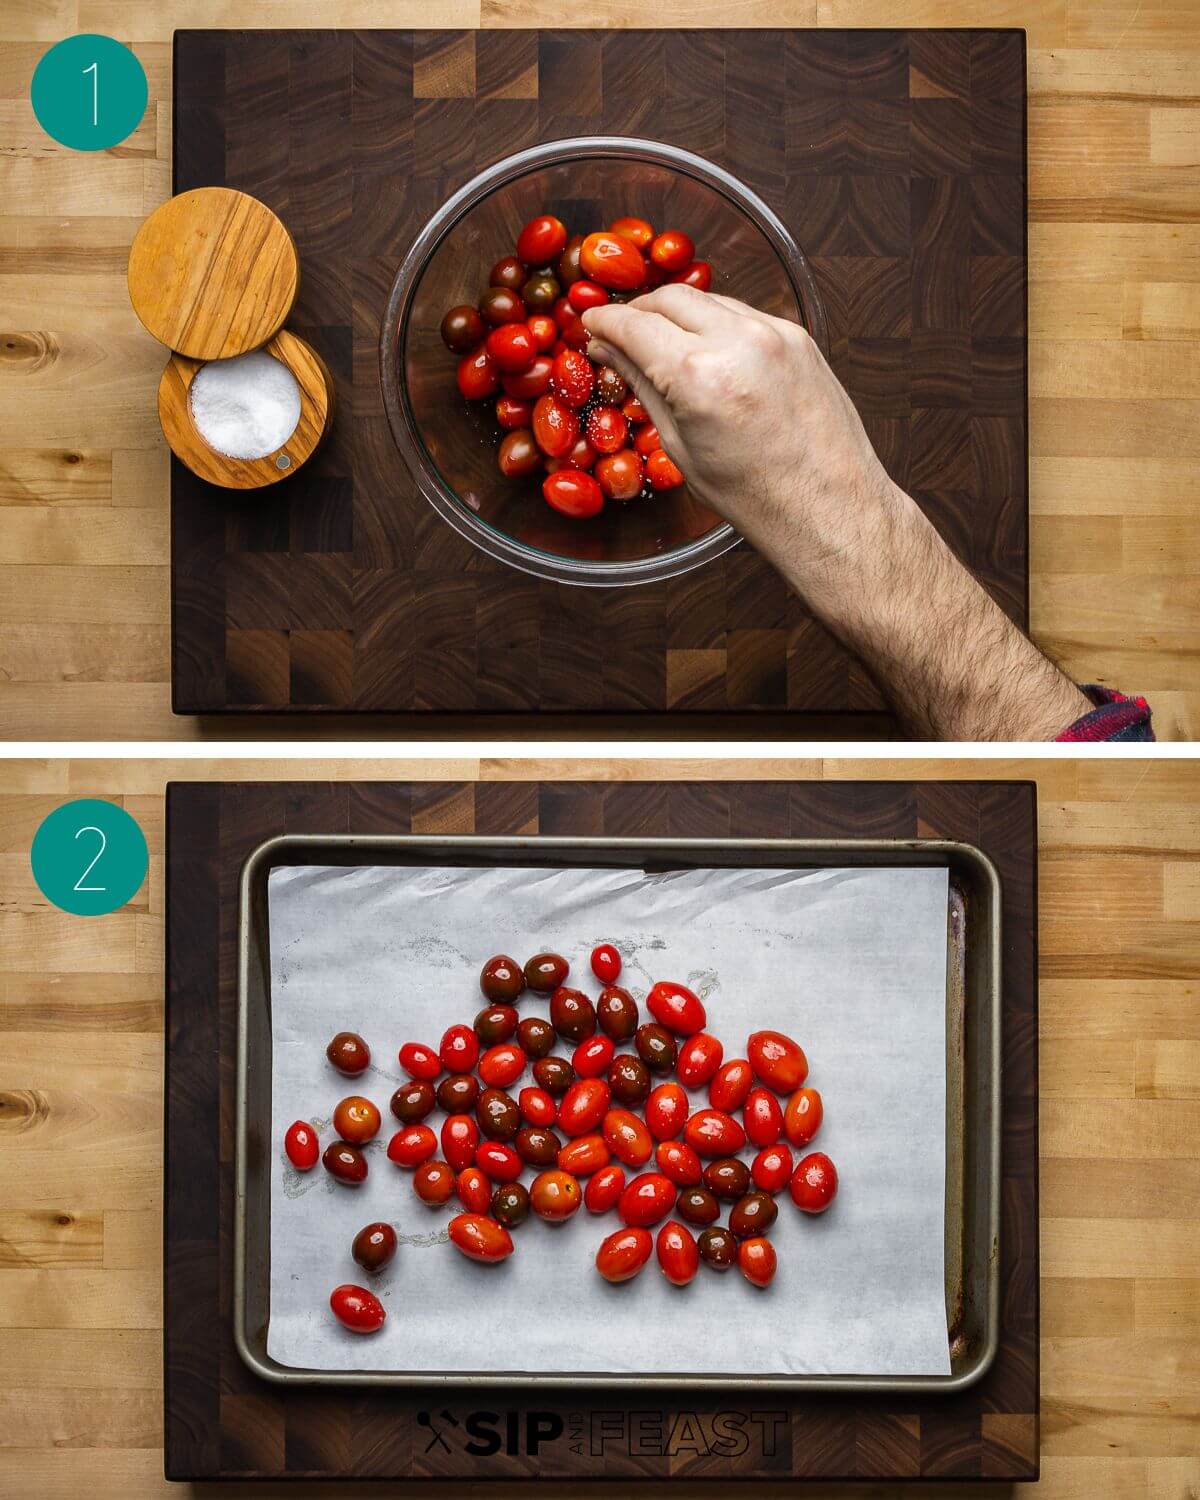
<point x="601" y="1434"/>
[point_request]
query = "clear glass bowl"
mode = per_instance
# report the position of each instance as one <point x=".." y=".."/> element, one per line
<point x="450" y="444"/>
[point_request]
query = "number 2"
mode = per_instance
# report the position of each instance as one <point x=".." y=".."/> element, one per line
<point x="79" y="885"/>
<point x="94" y="70"/>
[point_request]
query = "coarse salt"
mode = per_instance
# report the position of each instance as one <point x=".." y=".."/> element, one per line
<point x="247" y="406"/>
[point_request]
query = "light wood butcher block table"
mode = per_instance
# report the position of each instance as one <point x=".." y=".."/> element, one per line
<point x="81" y="1051"/>
<point x="1114" y="267"/>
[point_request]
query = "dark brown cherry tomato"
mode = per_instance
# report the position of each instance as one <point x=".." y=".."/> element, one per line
<point x="510" y="1204"/>
<point x="638" y="232"/>
<point x="542" y="240"/>
<point x="623" y="1254"/>
<point x="459" y="1051"/>
<point x="771" y="1169"/>
<point x="480" y="1238"/>
<point x="584" y="294"/>
<point x="656" y="1047"/>
<point x="412" y="1145"/>
<point x="572" y="1014"/>
<point x="573" y="377"/>
<point x="676" y="1007"/>
<point x="629" y="1079"/>
<point x="356" y="1120"/>
<point x="672" y="251"/>
<point x="374" y="1245"/>
<point x="802" y="1117"/>
<point x="540" y="293"/>
<point x="647" y="1199"/>
<point x="662" y="472"/>
<point x="603" y="1190"/>
<point x="751" y="1215"/>
<point x="543" y="328"/>
<point x="537" y="1107"/>
<point x="478" y="374"/>
<point x="762" y="1117"/>
<point x="731" y="1085"/>
<point x="302" y="1146"/>
<point x="498" y="1115"/>
<point x="698" y="274"/>
<point x="647" y="439"/>
<point x="592" y="1057"/>
<point x="345" y="1163"/>
<point x="496" y="1023"/>
<point x="620" y="475"/>
<point x="474" y="1190"/>
<point x="699" y="1058"/>
<point x="756" y="1261"/>
<point x="627" y="1136"/>
<point x="460" y="1138"/>
<point x="698" y="1206"/>
<point x="349" y="1053"/>
<point x="412" y="1101"/>
<point x="667" y="1111"/>
<point x="433" y="1183"/>
<point x="502" y="1064"/>
<point x="555" y="1195"/>
<point x="499" y="305"/>
<point x="462" y="329"/>
<point x="568" y="267"/>
<point x="633" y="410"/>
<point x="814" y="1183"/>
<point x="583" y="1106"/>
<point x="612" y="390"/>
<point x="777" y="1061"/>
<point x="584" y="1155"/>
<point x="356" y="1308"/>
<point x="511" y="347"/>
<point x="606" y="429"/>
<point x="420" y="1062"/>
<point x="537" y="1146"/>
<point x="678" y="1255"/>
<point x="545" y="972"/>
<point x="531" y="383"/>
<point x="458" y="1093"/>
<point x="678" y="1162"/>
<point x="554" y="1074"/>
<point x="718" y="1249"/>
<point x="509" y="272"/>
<point x="536" y="1036"/>
<point x="499" y="1161"/>
<point x="728" y="1177"/>
<point x="613" y="261"/>
<point x="617" y="1013"/>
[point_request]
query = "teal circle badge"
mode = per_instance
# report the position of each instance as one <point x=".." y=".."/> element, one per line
<point x="89" y="92"/>
<point x="89" y="857"/>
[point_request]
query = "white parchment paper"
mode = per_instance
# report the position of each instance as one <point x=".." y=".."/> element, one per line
<point x="850" y="962"/>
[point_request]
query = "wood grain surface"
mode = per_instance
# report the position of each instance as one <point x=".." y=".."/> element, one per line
<point x="81" y="1111"/>
<point x="1114" y="319"/>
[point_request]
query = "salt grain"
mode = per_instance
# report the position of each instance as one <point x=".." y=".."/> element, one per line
<point x="247" y="406"/>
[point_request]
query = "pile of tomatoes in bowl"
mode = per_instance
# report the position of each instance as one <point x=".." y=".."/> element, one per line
<point x="559" y="413"/>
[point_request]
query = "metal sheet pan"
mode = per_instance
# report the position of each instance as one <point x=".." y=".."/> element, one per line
<point x="973" y="1004"/>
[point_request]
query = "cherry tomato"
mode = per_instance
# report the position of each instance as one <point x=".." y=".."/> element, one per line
<point x="678" y="1162"/>
<point x="572" y="1014"/>
<point x="501" y="1065"/>
<point x="672" y="251"/>
<point x="495" y="1024"/>
<point x="647" y="1199"/>
<point x="584" y="1155"/>
<point x="698" y="1205"/>
<point x="771" y="1169"/>
<point x="699" y="1058"/>
<point x="613" y="261"/>
<point x="356" y="1120"/>
<point x="612" y="390"/>
<point x="459" y="1050"/>
<point x="727" y="1177"/>
<point x="345" y="1163"/>
<point x="777" y="1061"/>
<point x="554" y="1074"/>
<point x="584" y="294"/>
<point x="606" y="429"/>
<point x="497" y="1114"/>
<point x="462" y="329"/>
<point x="500" y="1162"/>
<point x="802" y="1117"/>
<point x="348" y="1053"/>
<point x="480" y="1238"/>
<point x="752" y="1214"/>
<point x="555" y="425"/>
<point x="474" y="1190"/>
<point x="698" y="274"/>
<point x="457" y="1093"/>
<point x="655" y="276"/>
<point x="756" y="1261"/>
<point x="637" y="231"/>
<point x="509" y="272"/>
<point x="711" y="1132"/>
<point x="667" y="1111"/>
<point x="460" y="1137"/>
<point x="662" y="472"/>
<point x="412" y="1101"/>
<point x="620" y="475"/>
<point x="537" y="1106"/>
<point x="512" y="414"/>
<point x="573" y="493"/>
<point x="575" y="335"/>
<point x="646" y="439"/>
<point x="302" y="1147"/>
<point x="678" y="1254"/>
<point x="499" y="305"/>
<point x="616" y="1012"/>
<point x="762" y="1117"/>
<point x="433" y="1183"/>
<point x="420" y="1061"/>
<point x="592" y="1057"/>
<point x="675" y="1006"/>
<point x="510" y="1204"/>
<point x="605" y="1187"/>
<point x="633" y="410"/>
<point x="623" y="1254"/>
<point x="583" y="1106"/>
<point x="542" y="240"/>
<point x="606" y="963"/>
<point x="555" y="1195"/>
<point x="501" y="979"/>
<point x="581" y="456"/>
<point x="731" y="1085"/>
<point x="412" y="1145"/>
<point x="628" y="1137"/>
<point x="478" y="374"/>
<point x="373" y="1246"/>
<point x="531" y="383"/>
<point x="511" y="348"/>
<point x="540" y="292"/>
<point x="536" y="1146"/>
<point x="543" y="330"/>
<point x="356" y="1308"/>
<point x="568" y="262"/>
<point x="814" y="1183"/>
<point x="572" y="378"/>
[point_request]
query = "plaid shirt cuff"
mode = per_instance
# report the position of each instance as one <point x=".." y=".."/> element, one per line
<point x="1115" y="717"/>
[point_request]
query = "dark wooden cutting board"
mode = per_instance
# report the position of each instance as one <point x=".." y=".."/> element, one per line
<point x="896" y="157"/>
<point x="223" y="1423"/>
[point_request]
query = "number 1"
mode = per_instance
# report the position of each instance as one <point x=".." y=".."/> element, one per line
<point x="79" y="885"/>
<point x="94" y="70"/>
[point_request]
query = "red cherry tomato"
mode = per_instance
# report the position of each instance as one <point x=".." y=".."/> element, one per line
<point x="511" y="413"/>
<point x="633" y="410"/>
<point x="606" y="963"/>
<point x="678" y="1253"/>
<point x="501" y="1065"/>
<point x="573" y="335"/>
<point x="537" y="1106"/>
<point x="604" y="1189"/>
<point x="583" y="1106"/>
<point x="620" y="475"/>
<point x="433" y="1183"/>
<point x="628" y="1137"/>
<point x="675" y="1006"/>
<point x="771" y="1169"/>
<point x="584" y="294"/>
<point x="531" y="383"/>
<point x="302" y="1146"/>
<point x="814" y="1183"/>
<point x="419" y="1061"/>
<point x="555" y="1195"/>
<point x="460" y="1138"/>
<point x="731" y="1085"/>
<point x="591" y="1058"/>
<point x="710" y="1132"/>
<point x="474" y="1190"/>
<point x="802" y="1117"/>
<point x="606" y="429"/>
<point x="573" y="493"/>
<point x="613" y="261"/>
<point x="542" y="240"/>
<point x="647" y="441"/>
<point x="511" y="347"/>
<point x="581" y="456"/>
<point x="555" y="425"/>
<point x="623" y="1254"/>
<point x="584" y="1155"/>
<point x="478" y="374"/>
<point x="543" y="330"/>
<point x="699" y="1058"/>
<point x="762" y="1117"/>
<point x="757" y="1261"/>
<point x="662" y="472"/>
<point x="672" y="251"/>
<point x="678" y="1162"/>
<point x="356" y="1308"/>
<point x="638" y="232"/>
<point x="647" y="1199"/>
<point x="777" y="1061"/>
<point x="572" y="378"/>
<point x="459" y="1050"/>
<point x="500" y="1162"/>
<point x="655" y="276"/>
<point x="667" y="1111"/>
<point x="698" y="274"/>
<point x="480" y="1238"/>
<point x="412" y="1145"/>
<point x="519" y="454"/>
